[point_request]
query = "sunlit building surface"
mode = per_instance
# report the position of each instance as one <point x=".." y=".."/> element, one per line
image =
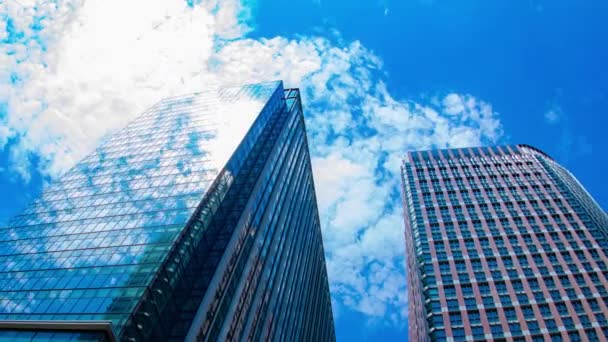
<point x="504" y="244"/>
<point x="197" y="221"/>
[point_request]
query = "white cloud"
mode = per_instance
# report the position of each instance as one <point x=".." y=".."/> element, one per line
<point x="97" y="73"/>
<point x="553" y="115"/>
<point x="231" y="17"/>
<point x="3" y="30"/>
<point x="5" y="134"/>
<point x="453" y="104"/>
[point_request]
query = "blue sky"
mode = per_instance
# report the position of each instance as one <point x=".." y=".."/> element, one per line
<point x="377" y="77"/>
<point x="524" y="57"/>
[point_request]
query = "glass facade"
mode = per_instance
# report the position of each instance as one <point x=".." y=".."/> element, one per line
<point x="502" y="243"/>
<point x="198" y="219"/>
<point x="41" y="335"/>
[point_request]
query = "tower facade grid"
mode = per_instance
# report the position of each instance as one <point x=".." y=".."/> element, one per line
<point x="502" y="243"/>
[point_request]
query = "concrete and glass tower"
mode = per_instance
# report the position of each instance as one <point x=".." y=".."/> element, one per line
<point x="502" y="243"/>
<point x="197" y="221"/>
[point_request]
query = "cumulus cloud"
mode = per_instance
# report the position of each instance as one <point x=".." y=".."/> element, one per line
<point x="453" y="104"/>
<point x="87" y="68"/>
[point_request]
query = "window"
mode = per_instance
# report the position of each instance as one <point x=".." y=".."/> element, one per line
<point x="467" y="290"/>
<point x="450" y="291"/>
<point x="488" y="301"/>
<point x="477" y="332"/>
<point x="592" y="301"/>
<point x="510" y="314"/>
<point x="455" y="318"/>
<point x="562" y="308"/>
<point x="437" y="321"/>
<point x="492" y="315"/>
<point x="533" y="326"/>
<point x="550" y="324"/>
<point x="545" y="311"/>
<point x="501" y="287"/>
<point x="515" y="328"/>
<point x="570" y="292"/>
<point x="458" y="333"/>
<point x="534" y="285"/>
<point x="517" y="285"/>
<point x="528" y="312"/>
<point x="578" y="306"/>
<point x="474" y="317"/>
<point x="522" y="298"/>
<point x="574" y="336"/>
<point x="435" y="305"/>
<point x="591" y="335"/>
<point x="438" y="335"/>
<point x="497" y="330"/>
<point x="568" y="322"/>
<point x="565" y="281"/>
<point x="484" y="288"/>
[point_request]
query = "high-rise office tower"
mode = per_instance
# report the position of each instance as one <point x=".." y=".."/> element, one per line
<point x="502" y="243"/>
<point x="197" y="221"/>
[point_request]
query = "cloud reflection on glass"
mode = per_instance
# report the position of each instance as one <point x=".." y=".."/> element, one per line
<point x="93" y="241"/>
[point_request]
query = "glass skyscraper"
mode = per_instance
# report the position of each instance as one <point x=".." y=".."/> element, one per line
<point x="197" y="221"/>
<point x="502" y="243"/>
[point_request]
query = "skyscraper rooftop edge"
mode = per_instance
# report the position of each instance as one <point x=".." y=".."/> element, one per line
<point x="220" y="86"/>
<point x="472" y="151"/>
